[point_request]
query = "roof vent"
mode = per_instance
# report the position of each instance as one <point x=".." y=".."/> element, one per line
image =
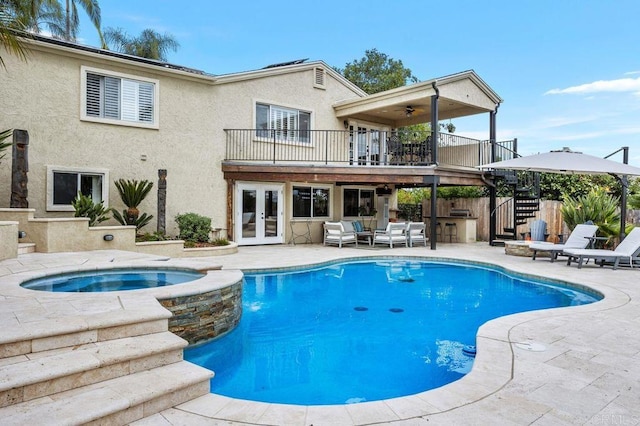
<point x="318" y="77"/>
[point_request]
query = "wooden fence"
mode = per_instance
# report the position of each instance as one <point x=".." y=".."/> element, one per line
<point x="479" y="207"/>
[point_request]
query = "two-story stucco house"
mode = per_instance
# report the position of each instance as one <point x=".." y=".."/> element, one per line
<point x="267" y="154"/>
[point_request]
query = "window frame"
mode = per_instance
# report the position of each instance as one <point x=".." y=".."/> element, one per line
<point x="360" y="199"/>
<point x="154" y="124"/>
<point x="79" y="171"/>
<point x="266" y="135"/>
<point x="313" y="189"/>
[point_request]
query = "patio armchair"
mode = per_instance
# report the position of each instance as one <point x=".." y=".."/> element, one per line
<point x="578" y="239"/>
<point x="629" y="249"/>
<point x="395" y="233"/>
<point x="334" y="233"/>
<point x="416" y="233"/>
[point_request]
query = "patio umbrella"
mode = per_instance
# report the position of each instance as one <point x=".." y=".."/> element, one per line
<point x="569" y="162"/>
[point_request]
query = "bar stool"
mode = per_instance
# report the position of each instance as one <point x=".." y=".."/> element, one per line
<point x="451" y="230"/>
<point x="438" y="230"/>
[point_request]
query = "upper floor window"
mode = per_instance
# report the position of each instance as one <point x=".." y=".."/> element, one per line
<point x="118" y="98"/>
<point x="284" y="124"/>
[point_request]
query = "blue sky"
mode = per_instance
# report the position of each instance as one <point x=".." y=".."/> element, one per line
<point x="568" y="70"/>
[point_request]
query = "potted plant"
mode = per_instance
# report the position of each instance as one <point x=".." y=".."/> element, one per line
<point x="132" y="193"/>
<point x="368" y="211"/>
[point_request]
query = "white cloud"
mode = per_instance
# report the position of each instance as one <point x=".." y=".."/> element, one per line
<point x="619" y="85"/>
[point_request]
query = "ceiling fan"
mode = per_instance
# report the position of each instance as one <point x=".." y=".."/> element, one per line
<point x="409" y="110"/>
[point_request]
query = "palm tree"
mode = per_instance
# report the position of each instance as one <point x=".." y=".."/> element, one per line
<point x="4" y="135"/>
<point x="11" y="29"/>
<point x="60" y="17"/>
<point x="149" y="44"/>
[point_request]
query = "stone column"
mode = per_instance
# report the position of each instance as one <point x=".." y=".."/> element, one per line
<point x="19" y="169"/>
<point x="162" y="200"/>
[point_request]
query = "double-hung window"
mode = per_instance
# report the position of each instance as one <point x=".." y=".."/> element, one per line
<point x="309" y="201"/>
<point x="120" y="99"/>
<point x="63" y="184"/>
<point x="283" y="124"/>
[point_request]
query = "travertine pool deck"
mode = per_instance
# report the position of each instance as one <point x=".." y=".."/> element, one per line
<point x="577" y="365"/>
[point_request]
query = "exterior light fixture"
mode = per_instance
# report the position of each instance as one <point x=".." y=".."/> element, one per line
<point x="21" y="234"/>
<point x="108" y="237"/>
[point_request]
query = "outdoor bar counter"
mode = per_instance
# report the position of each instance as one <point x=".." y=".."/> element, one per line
<point x="466" y="227"/>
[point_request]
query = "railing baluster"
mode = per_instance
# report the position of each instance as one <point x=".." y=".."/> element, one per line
<point x="393" y="148"/>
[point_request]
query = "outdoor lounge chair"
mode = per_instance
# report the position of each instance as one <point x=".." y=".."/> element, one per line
<point x="579" y="239"/>
<point x="629" y="248"/>
<point x="416" y="233"/>
<point x="395" y="233"/>
<point x="334" y="233"/>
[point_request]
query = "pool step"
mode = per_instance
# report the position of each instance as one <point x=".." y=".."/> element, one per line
<point x="115" y="401"/>
<point x="23" y="378"/>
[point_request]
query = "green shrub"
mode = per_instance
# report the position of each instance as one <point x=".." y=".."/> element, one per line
<point x="155" y="236"/>
<point x="193" y="227"/>
<point x="598" y="207"/>
<point x="85" y="207"/>
<point x="220" y="242"/>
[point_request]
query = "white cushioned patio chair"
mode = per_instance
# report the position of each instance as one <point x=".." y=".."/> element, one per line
<point x="629" y="249"/>
<point x="395" y="233"/>
<point x="334" y="233"/>
<point x="416" y="233"/>
<point x="578" y="239"/>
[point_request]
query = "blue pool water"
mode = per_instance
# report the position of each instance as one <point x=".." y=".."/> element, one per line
<point x="364" y="331"/>
<point x="112" y="280"/>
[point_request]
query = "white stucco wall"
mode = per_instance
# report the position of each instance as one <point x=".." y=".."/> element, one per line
<point x="43" y="96"/>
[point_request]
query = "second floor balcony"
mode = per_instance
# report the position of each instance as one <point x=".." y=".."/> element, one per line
<point x="372" y="148"/>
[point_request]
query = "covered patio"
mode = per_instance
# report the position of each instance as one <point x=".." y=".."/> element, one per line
<point x="376" y="146"/>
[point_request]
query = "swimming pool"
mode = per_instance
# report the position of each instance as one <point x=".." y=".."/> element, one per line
<point x="112" y="280"/>
<point x="366" y="330"/>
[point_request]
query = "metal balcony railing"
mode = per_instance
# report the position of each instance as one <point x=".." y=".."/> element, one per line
<point x="355" y="148"/>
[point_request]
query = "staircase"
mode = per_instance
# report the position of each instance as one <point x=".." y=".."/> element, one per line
<point x="120" y="370"/>
<point x="522" y="206"/>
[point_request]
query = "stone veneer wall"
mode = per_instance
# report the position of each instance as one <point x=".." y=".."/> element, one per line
<point x="201" y="317"/>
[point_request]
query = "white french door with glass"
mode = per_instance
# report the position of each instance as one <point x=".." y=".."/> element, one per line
<point x="259" y="214"/>
<point x="369" y="145"/>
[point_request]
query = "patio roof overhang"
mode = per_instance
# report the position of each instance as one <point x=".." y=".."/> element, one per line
<point x="459" y="95"/>
<point x="350" y="175"/>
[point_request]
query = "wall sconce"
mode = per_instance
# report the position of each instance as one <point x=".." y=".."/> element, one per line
<point x="345" y="123"/>
<point x="108" y="237"/>
<point x="21" y="234"/>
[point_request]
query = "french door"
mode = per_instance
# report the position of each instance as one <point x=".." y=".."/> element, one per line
<point x="259" y="214"/>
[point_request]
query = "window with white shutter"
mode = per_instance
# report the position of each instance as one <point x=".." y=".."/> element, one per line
<point x="285" y="124"/>
<point x="119" y="99"/>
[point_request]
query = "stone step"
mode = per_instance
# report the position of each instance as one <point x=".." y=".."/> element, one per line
<point x="24" y="248"/>
<point x="116" y="401"/>
<point x="45" y="335"/>
<point x="27" y="377"/>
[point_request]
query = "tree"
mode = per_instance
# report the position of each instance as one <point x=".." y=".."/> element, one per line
<point x="149" y="44"/>
<point x="72" y="21"/>
<point x="11" y="29"/>
<point x="59" y="17"/>
<point x="377" y="72"/>
<point x="4" y="135"/>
